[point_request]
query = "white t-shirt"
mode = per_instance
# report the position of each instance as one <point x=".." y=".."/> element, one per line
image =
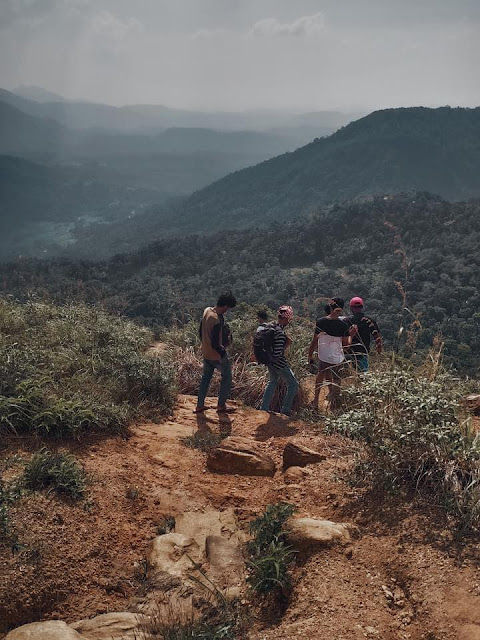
<point x="330" y="349"/>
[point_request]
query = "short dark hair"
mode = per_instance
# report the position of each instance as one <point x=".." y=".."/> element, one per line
<point x="262" y="315"/>
<point x="227" y="299"/>
<point x="336" y="303"/>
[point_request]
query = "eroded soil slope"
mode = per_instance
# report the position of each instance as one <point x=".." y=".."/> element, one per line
<point x="404" y="576"/>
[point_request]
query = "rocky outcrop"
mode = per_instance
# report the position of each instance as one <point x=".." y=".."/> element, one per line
<point x="170" y="554"/>
<point x="49" y="630"/>
<point x="309" y="532"/>
<point x="295" y="455"/>
<point x="240" y="456"/>
<point x="121" y="625"/>
<point x="225" y="559"/>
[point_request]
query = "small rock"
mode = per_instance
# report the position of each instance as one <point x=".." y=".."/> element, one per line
<point x="294" y="474"/>
<point x="237" y="455"/>
<point x="225" y="558"/>
<point x="387" y="592"/>
<point x="295" y="455"/>
<point x="110" y="626"/>
<point x="311" y="532"/>
<point x="50" y="630"/>
<point x="169" y="554"/>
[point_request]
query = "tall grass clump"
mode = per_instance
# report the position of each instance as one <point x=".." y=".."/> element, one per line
<point x="270" y="555"/>
<point x="67" y="370"/>
<point x="59" y="472"/>
<point x="415" y="436"/>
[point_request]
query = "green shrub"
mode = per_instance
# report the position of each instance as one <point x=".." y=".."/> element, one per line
<point x="270" y="556"/>
<point x="415" y="437"/>
<point x="71" y="369"/>
<point x="59" y="472"/>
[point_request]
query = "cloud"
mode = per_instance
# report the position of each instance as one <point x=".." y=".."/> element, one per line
<point x="106" y="25"/>
<point x="205" y="34"/>
<point x="301" y="27"/>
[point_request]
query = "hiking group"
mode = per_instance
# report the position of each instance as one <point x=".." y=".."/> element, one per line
<point x="338" y="340"/>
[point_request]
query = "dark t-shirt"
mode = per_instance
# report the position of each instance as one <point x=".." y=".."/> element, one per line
<point x="332" y="327"/>
<point x="367" y="327"/>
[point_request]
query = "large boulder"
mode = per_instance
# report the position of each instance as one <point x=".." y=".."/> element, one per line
<point x="236" y="455"/>
<point x="110" y="626"/>
<point x="49" y="630"/>
<point x="295" y="455"/>
<point x="309" y="532"/>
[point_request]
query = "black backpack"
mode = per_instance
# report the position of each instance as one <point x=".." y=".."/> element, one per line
<point x="263" y="342"/>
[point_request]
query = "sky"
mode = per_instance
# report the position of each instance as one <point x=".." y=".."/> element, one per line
<point x="292" y="55"/>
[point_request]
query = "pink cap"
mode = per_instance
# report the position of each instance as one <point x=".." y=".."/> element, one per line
<point x="286" y="312"/>
<point x="356" y="302"/>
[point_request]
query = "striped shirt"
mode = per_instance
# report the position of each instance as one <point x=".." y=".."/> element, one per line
<point x="279" y="343"/>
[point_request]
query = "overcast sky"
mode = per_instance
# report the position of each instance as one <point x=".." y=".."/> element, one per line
<point x="299" y="55"/>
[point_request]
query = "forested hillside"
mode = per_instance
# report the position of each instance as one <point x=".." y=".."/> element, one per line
<point x="418" y="244"/>
<point x="390" y="151"/>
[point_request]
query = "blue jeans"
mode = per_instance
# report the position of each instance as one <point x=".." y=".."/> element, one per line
<point x="209" y="367"/>
<point x="287" y="375"/>
<point x="359" y="361"/>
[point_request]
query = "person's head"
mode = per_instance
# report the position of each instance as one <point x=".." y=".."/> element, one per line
<point x="262" y="316"/>
<point x="285" y="314"/>
<point x="335" y="307"/>
<point x="225" y="302"/>
<point x="356" y="305"/>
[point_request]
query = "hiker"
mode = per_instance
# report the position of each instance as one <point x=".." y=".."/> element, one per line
<point x="216" y="337"/>
<point x="278" y="367"/>
<point x="367" y="328"/>
<point x="330" y="337"/>
<point x="262" y="316"/>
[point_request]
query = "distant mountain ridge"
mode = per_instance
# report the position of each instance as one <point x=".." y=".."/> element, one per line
<point x="389" y="151"/>
<point x="80" y="114"/>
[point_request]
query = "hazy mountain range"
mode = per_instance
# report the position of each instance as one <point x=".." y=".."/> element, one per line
<point x="387" y="152"/>
<point x="139" y="181"/>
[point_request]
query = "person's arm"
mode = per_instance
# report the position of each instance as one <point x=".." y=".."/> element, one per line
<point x="217" y="327"/>
<point x="200" y="330"/>
<point x="375" y="332"/>
<point x="313" y="347"/>
<point x="378" y="339"/>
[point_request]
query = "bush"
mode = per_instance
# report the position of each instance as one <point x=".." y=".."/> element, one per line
<point x="67" y="370"/>
<point x="270" y="556"/>
<point x="59" y="472"/>
<point x="415" y="437"/>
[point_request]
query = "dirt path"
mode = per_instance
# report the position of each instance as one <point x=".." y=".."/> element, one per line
<point x="402" y="578"/>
